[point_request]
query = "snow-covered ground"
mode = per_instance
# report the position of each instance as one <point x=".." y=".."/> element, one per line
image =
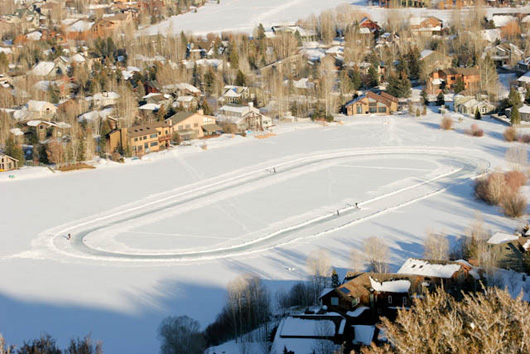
<point x="126" y="275"/>
<point x="245" y="16"/>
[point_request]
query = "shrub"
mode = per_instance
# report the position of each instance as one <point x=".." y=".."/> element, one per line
<point x="525" y="138"/>
<point x="491" y="188"/>
<point x="513" y="205"/>
<point x="475" y="130"/>
<point x="510" y="134"/>
<point x="447" y="123"/>
<point x="515" y="180"/>
<point x="176" y="139"/>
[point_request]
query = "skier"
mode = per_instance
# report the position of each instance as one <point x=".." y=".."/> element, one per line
<point x="357" y="206"/>
<point x="69" y="237"/>
<point x="338" y="213"/>
<point x="274" y="169"/>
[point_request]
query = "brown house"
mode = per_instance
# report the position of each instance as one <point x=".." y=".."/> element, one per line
<point x="192" y="125"/>
<point x="447" y="78"/>
<point x="141" y="139"/>
<point x="384" y="293"/>
<point x="372" y="103"/>
<point x="7" y="163"/>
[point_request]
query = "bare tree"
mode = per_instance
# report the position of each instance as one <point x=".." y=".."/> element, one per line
<point x="357" y="260"/>
<point x="376" y="253"/>
<point x="55" y="152"/>
<point x="319" y="269"/>
<point x="436" y="246"/>
<point x="517" y="156"/>
<point x="489" y="322"/>
<point x="180" y="335"/>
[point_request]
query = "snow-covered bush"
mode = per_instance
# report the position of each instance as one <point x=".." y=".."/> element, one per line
<point x="446" y="123"/>
<point x="475" y="130"/>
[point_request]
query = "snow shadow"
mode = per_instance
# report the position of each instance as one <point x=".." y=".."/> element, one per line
<point x="132" y="332"/>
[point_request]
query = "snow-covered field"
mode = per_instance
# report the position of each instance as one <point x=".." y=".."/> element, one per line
<point x="163" y="236"/>
<point x="245" y="16"/>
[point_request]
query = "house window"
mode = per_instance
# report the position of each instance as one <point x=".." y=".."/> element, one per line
<point x="389" y="299"/>
<point x="372" y="110"/>
<point x="382" y="109"/>
<point x="359" y="109"/>
<point x="146" y="145"/>
<point x="181" y="127"/>
<point x="188" y="126"/>
<point x="404" y="301"/>
<point x="154" y="143"/>
<point x="41" y="127"/>
<point x="196" y="125"/>
<point x="152" y="136"/>
<point x="145" y="137"/>
<point x="372" y="104"/>
<point x="135" y="139"/>
<point x="334" y="301"/>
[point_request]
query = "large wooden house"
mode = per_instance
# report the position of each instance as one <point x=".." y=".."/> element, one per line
<point x="372" y="103"/>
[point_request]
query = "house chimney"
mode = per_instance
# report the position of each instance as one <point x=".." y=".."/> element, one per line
<point x="251" y="105"/>
<point x="201" y="112"/>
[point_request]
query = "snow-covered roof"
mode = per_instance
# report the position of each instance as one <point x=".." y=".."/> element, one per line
<point x="426" y="268"/>
<point x="5" y="50"/>
<point x="185" y="98"/>
<point x="525" y="78"/>
<point x="129" y="72"/>
<point x="150" y="107"/>
<point x="363" y="334"/>
<point x="34" y="36"/>
<point x="37" y="106"/>
<point x="80" y="26"/>
<point x="491" y="35"/>
<point x="525" y="109"/>
<point x="231" y="94"/>
<point x="16" y="132"/>
<point x="106" y="95"/>
<point x="391" y="286"/>
<point x="298" y="327"/>
<point x="426" y="52"/>
<point x="501" y="237"/>
<point x="93" y="115"/>
<point x="78" y="58"/>
<point x="357" y="312"/>
<point x="502" y="20"/>
<point x="43" y="68"/>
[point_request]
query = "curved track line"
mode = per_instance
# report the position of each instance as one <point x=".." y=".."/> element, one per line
<point x="55" y="241"/>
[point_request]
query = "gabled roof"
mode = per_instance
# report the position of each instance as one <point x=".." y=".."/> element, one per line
<point x="145" y="129"/>
<point x="180" y="117"/>
<point x="430" y="268"/>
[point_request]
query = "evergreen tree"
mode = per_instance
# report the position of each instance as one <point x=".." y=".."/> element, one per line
<point x="355" y="78"/>
<point x="459" y="85"/>
<point x="240" y="79"/>
<point x="207" y="110"/>
<point x="514" y="99"/>
<point x="233" y="55"/>
<point x="15" y="151"/>
<point x="527" y="96"/>
<point x="373" y="77"/>
<point x="414" y="63"/>
<point x="334" y="279"/>
<point x="440" y="99"/>
<point x="399" y="86"/>
<point x="477" y="114"/>
<point x="514" y="116"/>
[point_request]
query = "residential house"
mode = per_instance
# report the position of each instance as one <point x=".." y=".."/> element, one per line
<point x="454" y="276"/>
<point x="372" y="103"/>
<point x="305" y="34"/>
<point x="239" y="118"/>
<point x="41" y="110"/>
<point x="41" y="130"/>
<point x="48" y="69"/>
<point x="469" y="105"/>
<point x="140" y="139"/>
<point x="103" y="99"/>
<point x="447" y="78"/>
<point x="510" y="250"/>
<point x="187" y="103"/>
<point x="505" y="54"/>
<point x="235" y="94"/>
<point x="304" y="333"/>
<point x="433" y="60"/>
<point x="524" y="113"/>
<point x="372" y="26"/>
<point x="8" y="163"/>
<point x="192" y="125"/>
<point x="426" y="26"/>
